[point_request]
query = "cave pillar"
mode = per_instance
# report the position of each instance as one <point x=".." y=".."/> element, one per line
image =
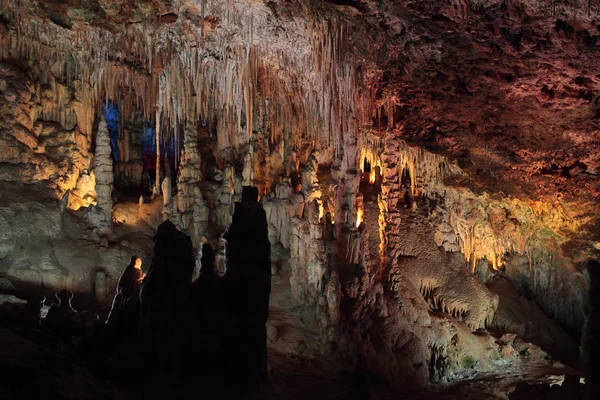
<point x="260" y="166"/>
<point x="225" y="198"/>
<point x="156" y="188"/>
<point x="103" y="169"/>
<point x="389" y="221"/>
<point x="191" y="206"/>
<point x="310" y="183"/>
<point x="248" y="171"/>
<point x="308" y="277"/>
<point x="345" y="182"/>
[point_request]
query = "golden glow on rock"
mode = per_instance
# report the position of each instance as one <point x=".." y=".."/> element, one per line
<point x="359" y="217"/>
<point x="369" y="152"/>
<point x="372" y="176"/>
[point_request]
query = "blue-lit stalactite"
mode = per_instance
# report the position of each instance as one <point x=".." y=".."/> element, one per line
<point x="149" y="151"/>
<point x="148" y="154"/>
<point x="167" y="147"/>
<point x="111" y="115"/>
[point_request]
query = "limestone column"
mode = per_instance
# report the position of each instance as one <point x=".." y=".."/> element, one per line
<point x="190" y="202"/>
<point x="156" y="188"/>
<point x="389" y="221"/>
<point x="248" y="172"/>
<point x="103" y="170"/>
<point x="310" y="181"/>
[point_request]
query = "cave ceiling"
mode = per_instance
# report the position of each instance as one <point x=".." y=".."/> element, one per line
<point x="509" y="89"/>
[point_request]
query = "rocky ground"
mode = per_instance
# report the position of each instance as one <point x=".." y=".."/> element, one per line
<point x="35" y="363"/>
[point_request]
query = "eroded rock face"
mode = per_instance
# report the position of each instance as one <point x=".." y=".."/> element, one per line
<point x="443" y="278"/>
<point x="53" y="257"/>
<point x="40" y="143"/>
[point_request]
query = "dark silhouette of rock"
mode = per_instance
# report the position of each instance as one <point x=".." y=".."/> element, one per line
<point x="207" y="289"/>
<point x="165" y="302"/>
<point x="207" y="271"/>
<point x="210" y="315"/>
<point x="249" y="194"/>
<point x="569" y="390"/>
<point x="63" y="320"/>
<point x="590" y="337"/>
<point x="32" y="311"/>
<point x="248" y="286"/>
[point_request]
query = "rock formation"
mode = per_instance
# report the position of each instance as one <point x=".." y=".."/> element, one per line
<point x="590" y="345"/>
<point x="248" y="286"/>
<point x="165" y="294"/>
<point x="190" y="201"/>
<point x="101" y="216"/>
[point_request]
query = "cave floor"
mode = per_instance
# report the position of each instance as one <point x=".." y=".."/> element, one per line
<point x="36" y="362"/>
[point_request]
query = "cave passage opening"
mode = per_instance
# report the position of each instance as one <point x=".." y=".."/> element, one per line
<point x="370" y="187"/>
<point x="406" y="178"/>
<point x="134" y="151"/>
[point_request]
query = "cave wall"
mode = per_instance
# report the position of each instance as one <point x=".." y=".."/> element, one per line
<point x="42" y="144"/>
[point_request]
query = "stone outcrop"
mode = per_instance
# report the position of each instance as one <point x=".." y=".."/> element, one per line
<point x="58" y="254"/>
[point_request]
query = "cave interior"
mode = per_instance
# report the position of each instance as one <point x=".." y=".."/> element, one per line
<point x="427" y="174"/>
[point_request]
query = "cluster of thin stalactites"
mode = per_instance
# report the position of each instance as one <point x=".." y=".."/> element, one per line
<point x="461" y="311"/>
<point x="177" y="76"/>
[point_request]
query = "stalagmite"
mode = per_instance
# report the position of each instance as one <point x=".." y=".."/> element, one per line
<point x="248" y="172"/>
<point x="225" y="199"/>
<point x="307" y="258"/>
<point x="310" y="183"/>
<point x="157" y="135"/>
<point x="166" y="190"/>
<point x="279" y="212"/>
<point x="190" y="200"/>
<point x="101" y="215"/>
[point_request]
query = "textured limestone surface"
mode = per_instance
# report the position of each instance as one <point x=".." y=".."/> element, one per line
<point x="42" y="246"/>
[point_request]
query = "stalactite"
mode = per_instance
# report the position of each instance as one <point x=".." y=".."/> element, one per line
<point x="157" y="136"/>
<point x="319" y="98"/>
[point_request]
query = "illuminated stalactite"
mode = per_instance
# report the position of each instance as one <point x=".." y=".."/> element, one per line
<point x="315" y="94"/>
<point x="359" y="216"/>
<point x="478" y="226"/>
<point x="157" y="137"/>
